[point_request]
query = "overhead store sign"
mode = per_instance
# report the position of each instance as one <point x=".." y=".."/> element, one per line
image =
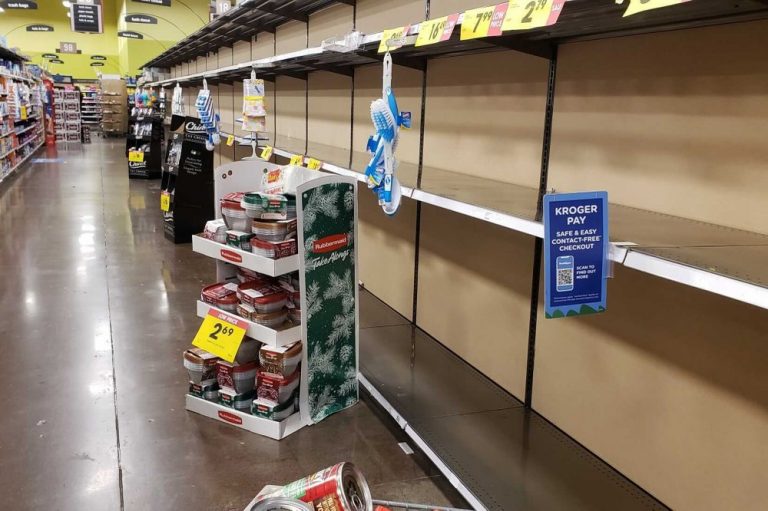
<point x="164" y="3"/>
<point x="56" y="61"/>
<point x="97" y="64"/>
<point x="68" y="48"/>
<point x="130" y="34"/>
<point x="50" y="56"/>
<point x="98" y="57"/>
<point x="86" y="18"/>
<point x="575" y="254"/>
<point x="39" y="28"/>
<point x="145" y="19"/>
<point x="19" y="4"/>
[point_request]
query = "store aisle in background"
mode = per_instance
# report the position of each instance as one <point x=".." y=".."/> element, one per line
<point x="97" y="309"/>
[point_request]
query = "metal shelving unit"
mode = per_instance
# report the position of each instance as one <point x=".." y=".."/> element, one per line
<point x="714" y="258"/>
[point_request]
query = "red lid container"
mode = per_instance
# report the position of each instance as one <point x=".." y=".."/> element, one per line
<point x="221" y="295"/>
<point x="264" y="298"/>
<point x="232" y="201"/>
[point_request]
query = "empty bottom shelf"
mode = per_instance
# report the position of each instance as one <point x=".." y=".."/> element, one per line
<point x="498" y="454"/>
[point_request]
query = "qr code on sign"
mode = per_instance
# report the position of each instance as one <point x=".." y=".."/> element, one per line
<point x="565" y="277"/>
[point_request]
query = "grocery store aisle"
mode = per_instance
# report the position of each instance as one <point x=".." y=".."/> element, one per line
<point x="98" y="307"/>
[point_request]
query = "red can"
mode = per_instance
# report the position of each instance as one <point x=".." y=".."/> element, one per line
<point x="338" y="488"/>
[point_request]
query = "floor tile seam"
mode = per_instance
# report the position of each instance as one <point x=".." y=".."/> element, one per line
<point x="118" y="448"/>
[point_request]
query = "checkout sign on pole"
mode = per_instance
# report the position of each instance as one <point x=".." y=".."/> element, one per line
<point x="575" y="253"/>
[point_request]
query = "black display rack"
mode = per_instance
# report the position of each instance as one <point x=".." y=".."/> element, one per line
<point x="150" y="144"/>
<point x="187" y="180"/>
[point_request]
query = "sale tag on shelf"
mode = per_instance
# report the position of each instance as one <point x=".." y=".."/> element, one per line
<point x="220" y="334"/>
<point x="297" y="160"/>
<point x="526" y="14"/>
<point x="230" y="140"/>
<point x="313" y="164"/>
<point x="636" y="6"/>
<point x="136" y="156"/>
<point x="266" y="153"/>
<point x="436" y="30"/>
<point x="165" y="201"/>
<point x="393" y="38"/>
<point x="477" y="22"/>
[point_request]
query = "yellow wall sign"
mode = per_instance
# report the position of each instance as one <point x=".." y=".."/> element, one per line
<point x="436" y="30"/>
<point x="230" y="140"/>
<point x="220" y="334"/>
<point x="136" y="156"/>
<point x="266" y="153"/>
<point x="297" y="160"/>
<point x="393" y="38"/>
<point x="314" y="164"/>
<point x="527" y="14"/>
<point x="165" y="201"/>
<point x="636" y="6"/>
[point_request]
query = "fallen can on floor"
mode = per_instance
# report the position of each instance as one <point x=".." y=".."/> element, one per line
<point x="280" y="504"/>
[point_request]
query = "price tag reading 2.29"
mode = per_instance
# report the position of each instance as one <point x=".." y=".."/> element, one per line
<point x="220" y="334"/>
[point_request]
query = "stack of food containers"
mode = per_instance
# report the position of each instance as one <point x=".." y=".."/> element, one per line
<point x="277" y="383"/>
<point x="201" y="367"/>
<point x="236" y="384"/>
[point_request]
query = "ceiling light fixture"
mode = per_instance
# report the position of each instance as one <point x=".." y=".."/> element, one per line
<point x="67" y="4"/>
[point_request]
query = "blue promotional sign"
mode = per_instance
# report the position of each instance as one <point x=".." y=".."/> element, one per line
<point x="575" y="253"/>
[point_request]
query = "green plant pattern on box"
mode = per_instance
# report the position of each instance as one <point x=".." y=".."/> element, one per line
<point x="329" y="260"/>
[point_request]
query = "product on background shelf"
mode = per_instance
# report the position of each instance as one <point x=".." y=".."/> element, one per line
<point x="280" y="360"/>
<point x="254" y="111"/>
<point x="208" y="118"/>
<point x="177" y="101"/>
<point x="276" y="388"/>
<point x="387" y="119"/>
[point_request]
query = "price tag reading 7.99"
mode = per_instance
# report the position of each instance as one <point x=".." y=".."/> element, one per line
<point x="483" y="22"/>
<point x="220" y="334"/>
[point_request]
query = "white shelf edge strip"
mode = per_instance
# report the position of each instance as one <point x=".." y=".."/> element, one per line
<point x="413" y="434"/>
<point x="698" y="278"/>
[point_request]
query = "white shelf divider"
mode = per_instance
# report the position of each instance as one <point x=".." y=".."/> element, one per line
<point x="249" y="260"/>
<point x="272" y="429"/>
<point x="263" y="334"/>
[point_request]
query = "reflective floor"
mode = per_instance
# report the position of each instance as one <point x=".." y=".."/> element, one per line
<point x="97" y="308"/>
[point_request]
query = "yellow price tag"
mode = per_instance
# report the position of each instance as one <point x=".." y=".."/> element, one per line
<point x="314" y="164"/>
<point x="297" y="160"/>
<point x="436" y="30"/>
<point x="136" y="156"/>
<point x="393" y="38"/>
<point x="266" y="153"/>
<point x="220" y="334"/>
<point x="527" y="14"/>
<point x="483" y="22"/>
<point x="230" y="140"/>
<point x="636" y="6"/>
<point x="23" y="113"/>
<point x="165" y="201"/>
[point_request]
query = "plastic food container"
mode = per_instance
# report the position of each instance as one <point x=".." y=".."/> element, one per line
<point x="294" y="314"/>
<point x="215" y="230"/>
<point x="282" y="360"/>
<point x="265" y="206"/>
<point x="291" y="205"/>
<point x="239" y="401"/>
<point x="245" y="311"/>
<point x="264" y="298"/>
<point x="233" y="213"/>
<point x="277" y="230"/>
<point x="222" y="295"/>
<point x="273" y="249"/>
<point x="240" y="377"/>
<point x="248" y="352"/>
<point x="208" y="390"/>
<point x="270" y="319"/>
<point x="239" y="239"/>
<point x="271" y="387"/>
<point x="275" y="412"/>
<point x="244" y="275"/>
<point x="200" y="365"/>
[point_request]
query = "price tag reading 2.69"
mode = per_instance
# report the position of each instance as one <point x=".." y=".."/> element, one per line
<point x="220" y="334"/>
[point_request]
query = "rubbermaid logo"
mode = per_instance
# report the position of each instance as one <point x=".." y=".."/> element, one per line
<point x="330" y="243"/>
<point x="230" y="417"/>
<point x="231" y="256"/>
